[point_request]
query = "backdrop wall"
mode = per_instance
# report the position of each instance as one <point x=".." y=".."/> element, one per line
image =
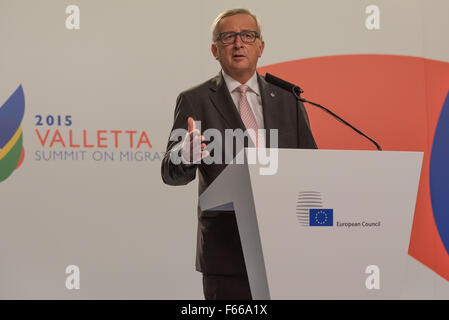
<point x="98" y="102"/>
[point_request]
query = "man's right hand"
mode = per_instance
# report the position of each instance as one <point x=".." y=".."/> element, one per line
<point x="193" y="147"/>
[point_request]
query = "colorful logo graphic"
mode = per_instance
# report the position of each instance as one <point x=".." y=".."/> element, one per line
<point x="12" y="152"/>
<point x="403" y="103"/>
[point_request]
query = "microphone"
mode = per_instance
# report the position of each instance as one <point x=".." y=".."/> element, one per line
<point x="296" y="90"/>
<point x="284" y="85"/>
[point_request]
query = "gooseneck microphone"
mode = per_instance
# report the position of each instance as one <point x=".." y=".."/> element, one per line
<point x="296" y="90"/>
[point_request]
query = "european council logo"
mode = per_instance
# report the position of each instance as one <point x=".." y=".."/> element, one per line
<point x="11" y="148"/>
<point x="310" y="212"/>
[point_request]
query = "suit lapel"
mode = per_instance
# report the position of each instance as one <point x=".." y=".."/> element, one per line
<point x="269" y="98"/>
<point x="222" y="101"/>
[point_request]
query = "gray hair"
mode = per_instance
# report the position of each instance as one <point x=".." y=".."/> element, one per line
<point x="232" y="12"/>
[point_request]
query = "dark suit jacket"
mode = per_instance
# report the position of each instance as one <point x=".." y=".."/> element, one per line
<point x="219" y="249"/>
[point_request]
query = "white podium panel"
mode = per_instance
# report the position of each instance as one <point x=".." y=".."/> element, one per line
<point x="329" y="224"/>
<point x="372" y="196"/>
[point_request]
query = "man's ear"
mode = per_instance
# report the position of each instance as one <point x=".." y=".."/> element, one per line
<point x="214" y="50"/>
<point x="261" y="47"/>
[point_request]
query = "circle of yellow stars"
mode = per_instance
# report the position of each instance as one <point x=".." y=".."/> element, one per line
<point x="325" y="217"/>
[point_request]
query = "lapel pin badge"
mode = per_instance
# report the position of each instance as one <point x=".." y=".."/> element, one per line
<point x="272" y="95"/>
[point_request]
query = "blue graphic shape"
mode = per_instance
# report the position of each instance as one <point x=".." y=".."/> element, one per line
<point x="439" y="174"/>
<point x="321" y="217"/>
<point x="11" y="115"/>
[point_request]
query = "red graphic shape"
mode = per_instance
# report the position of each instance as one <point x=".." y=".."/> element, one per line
<point x="22" y="157"/>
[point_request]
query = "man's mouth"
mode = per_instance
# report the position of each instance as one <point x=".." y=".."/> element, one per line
<point x="238" y="55"/>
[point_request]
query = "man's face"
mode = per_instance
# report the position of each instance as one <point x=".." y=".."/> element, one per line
<point x="238" y="59"/>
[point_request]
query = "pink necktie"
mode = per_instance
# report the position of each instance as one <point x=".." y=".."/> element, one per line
<point x="248" y="118"/>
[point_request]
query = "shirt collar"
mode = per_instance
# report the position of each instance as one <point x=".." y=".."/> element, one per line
<point x="232" y="84"/>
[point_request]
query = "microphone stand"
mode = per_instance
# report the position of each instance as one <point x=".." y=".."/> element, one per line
<point x="297" y="93"/>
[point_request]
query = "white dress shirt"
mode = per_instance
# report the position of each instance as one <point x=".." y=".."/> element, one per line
<point x="253" y="95"/>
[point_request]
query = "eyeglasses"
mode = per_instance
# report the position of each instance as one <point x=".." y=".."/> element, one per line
<point x="246" y="36"/>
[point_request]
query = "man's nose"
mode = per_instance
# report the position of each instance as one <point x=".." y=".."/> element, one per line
<point x="238" y="43"/>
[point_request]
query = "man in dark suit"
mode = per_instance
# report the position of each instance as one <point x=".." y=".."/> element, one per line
<point x="237" y="98"/>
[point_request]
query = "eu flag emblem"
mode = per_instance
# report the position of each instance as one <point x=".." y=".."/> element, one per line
<point x="321" y="217"/>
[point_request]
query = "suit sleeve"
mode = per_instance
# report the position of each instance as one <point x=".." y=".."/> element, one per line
<point x="178" y="174"/>
<point x="305" y="136"/>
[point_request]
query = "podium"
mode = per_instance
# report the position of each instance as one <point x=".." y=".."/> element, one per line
<point x="328" y="224"/>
